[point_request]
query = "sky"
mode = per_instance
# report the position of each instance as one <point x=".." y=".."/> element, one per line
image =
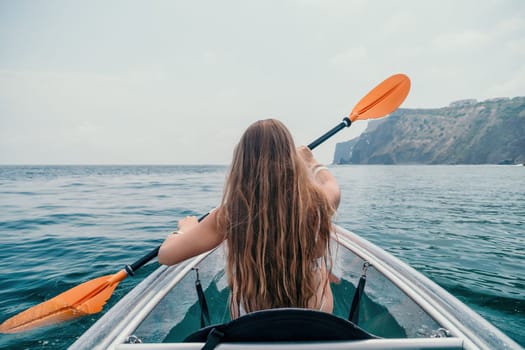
<point x="177" y="82"/>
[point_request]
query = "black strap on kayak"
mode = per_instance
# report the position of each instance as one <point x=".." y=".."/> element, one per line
<point x="205" y="314"/>
<point x="353" y="316"/>
<point x="214" y="338"/>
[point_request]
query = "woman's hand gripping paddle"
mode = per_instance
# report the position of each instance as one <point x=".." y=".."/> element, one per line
<point x="91" y="296"/>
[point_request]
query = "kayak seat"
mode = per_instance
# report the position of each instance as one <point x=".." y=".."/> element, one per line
<point x="280" y="325"/>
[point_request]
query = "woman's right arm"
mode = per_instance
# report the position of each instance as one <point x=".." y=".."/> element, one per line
<point x="321" y="176"/>
<point x="192" y="239"/>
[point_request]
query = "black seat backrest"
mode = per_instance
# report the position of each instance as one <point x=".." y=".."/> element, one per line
<point x="288" y="324"/>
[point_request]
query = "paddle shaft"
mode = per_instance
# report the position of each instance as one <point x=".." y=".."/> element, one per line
<point x="344" y="124"/>
<point x="131" y="269"/>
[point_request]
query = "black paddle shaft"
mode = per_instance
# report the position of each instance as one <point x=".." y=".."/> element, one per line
<point x="130" y="269"/>
<point x="344" y="124"/>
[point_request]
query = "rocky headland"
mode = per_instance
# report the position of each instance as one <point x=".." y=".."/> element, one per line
<point x="465" y="132"/>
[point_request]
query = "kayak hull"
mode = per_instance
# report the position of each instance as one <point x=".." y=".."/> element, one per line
<point x="402" y="307"/>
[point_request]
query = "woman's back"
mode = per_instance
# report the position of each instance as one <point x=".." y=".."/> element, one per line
<point x="276" y="222"/>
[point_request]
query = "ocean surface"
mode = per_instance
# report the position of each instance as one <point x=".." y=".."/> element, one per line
<point x="60" y="226"/>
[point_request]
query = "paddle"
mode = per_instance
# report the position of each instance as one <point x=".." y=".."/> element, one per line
<point x="91" y="296"/>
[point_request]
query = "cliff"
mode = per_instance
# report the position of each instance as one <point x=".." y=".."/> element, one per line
<point x="465" y="132"/>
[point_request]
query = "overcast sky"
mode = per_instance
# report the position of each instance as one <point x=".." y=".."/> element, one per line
<point x="177" y="82"/>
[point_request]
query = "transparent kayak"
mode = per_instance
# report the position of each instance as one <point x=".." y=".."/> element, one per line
<point x="399" y="308"/>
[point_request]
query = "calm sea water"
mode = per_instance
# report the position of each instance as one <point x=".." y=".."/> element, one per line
<point x="462" y="226"/>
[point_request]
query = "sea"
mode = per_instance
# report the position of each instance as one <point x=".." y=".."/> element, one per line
<point x="461" y="226"/>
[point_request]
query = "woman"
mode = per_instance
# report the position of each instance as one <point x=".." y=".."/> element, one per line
<point x="276" y="216"/>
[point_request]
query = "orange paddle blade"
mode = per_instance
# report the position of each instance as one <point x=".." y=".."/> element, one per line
<point x="87" y="298"/>
<point x="383" y="99"/>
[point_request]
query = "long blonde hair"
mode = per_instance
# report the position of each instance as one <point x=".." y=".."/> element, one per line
<point x="276" y="223"/>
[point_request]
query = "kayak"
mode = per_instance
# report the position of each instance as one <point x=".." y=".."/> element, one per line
<point x="379" y="303"/>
